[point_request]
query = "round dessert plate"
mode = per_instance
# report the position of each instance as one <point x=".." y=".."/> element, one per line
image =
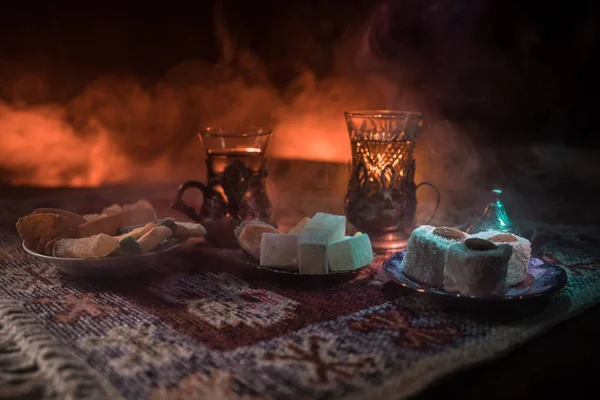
<point x="282" y="271"/>
<point x="542" y="280"/>
<point x="106" y="267"/>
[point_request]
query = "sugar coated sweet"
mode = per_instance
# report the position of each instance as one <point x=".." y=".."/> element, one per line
<point x="350" y="253"/>
<point x="312" y="252"/>
<point x="519" y="261"/>
<point x="334" y="225"/>
<point x="277" y="250"/>
<point x="425" y="255"/>
<point x="476" y="270"/>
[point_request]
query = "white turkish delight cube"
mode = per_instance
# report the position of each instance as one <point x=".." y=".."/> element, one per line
<point x="350" y="253"/>
<point x="334" y="225"/>
<point x="277" y="250"/>
<point x="312" y="252"/>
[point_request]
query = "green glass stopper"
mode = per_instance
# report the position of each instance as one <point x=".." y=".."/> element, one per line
<point x="494" y="217"/>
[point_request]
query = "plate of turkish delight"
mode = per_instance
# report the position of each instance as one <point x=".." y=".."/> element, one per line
<point x="489" y="265"/>
<point x="315" y="246"/>
<point x="121" y="240"/>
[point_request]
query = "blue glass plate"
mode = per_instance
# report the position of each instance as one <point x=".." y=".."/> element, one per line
<point x="542" y="280"/>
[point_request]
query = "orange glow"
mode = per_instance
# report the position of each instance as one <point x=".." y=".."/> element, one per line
<point x="120" y="129"/>
<point x="310" y="138"/>
<point x="39" y="148"/>
<point x="313" y="128"/>
<point x="116" y="132"/>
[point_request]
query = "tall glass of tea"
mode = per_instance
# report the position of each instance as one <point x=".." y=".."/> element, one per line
<point x="236" y="187"/>
<point x="381" y="198"/>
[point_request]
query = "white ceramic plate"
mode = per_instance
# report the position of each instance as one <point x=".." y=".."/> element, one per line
<point x="106" y="267"/>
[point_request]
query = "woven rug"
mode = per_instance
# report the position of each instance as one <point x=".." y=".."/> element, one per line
<point x="204" y="324"/>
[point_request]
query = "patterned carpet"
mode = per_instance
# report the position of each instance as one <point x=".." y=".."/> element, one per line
<point x="205" y="324"/>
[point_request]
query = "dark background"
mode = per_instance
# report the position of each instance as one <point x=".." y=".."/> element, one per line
<point x="537" y="58"/>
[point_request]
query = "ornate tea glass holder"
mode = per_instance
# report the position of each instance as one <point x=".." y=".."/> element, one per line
<point x="235" y="188"/>
<point x="381" y="198"/>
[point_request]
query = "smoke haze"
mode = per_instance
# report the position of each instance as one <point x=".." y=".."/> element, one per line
<point x="125" y="127"/>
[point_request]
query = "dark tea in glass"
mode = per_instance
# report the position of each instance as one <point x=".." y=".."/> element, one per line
<point x="235" y="188"/>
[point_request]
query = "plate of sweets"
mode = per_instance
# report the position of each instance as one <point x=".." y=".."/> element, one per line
<point x="315" y="246"/>
<point x="489" y="266"/>
<point x="121" y="240"/>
